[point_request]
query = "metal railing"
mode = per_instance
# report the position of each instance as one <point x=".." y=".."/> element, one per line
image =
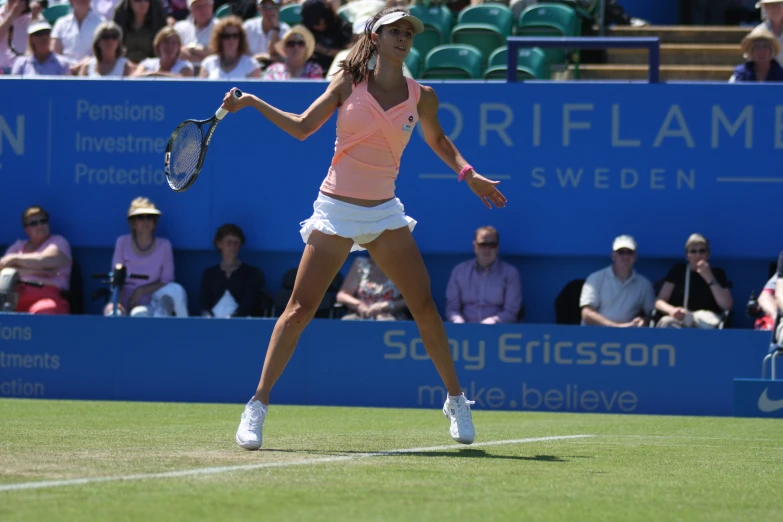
<point x="651" y="43"/>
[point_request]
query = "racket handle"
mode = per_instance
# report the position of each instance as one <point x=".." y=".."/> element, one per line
<point x="221" y="112"/>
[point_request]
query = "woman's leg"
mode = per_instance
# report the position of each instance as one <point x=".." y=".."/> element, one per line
<point x="323" y="257"/>
<point x="398" y="256"/>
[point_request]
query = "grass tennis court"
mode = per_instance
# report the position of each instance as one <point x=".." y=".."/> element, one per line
<point x="361" y="464"/>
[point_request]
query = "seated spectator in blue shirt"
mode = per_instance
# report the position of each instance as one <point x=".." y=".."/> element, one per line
<point x="617" y="295"/>
<point x="232" y="288"/>
<point x="40" y="60"/>
<point x="760" y="48"/>
<point x="484" y="290"/>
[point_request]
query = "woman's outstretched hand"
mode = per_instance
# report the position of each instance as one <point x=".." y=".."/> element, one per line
<point x="232" y="104"/>
<point x="485" y="189"/>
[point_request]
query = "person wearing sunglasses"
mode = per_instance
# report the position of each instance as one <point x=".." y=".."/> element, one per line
<point x="40" y="60"/>
<point x="44" y="258"/>
<point x="485" y="289"/>
<point x="230" y="58"/>
<point x="296" y="47"/>
<point x="143" y="253"/>
<point x="108" y="60"/>
<point x="694" y="294"/>
<point x="759" y="48"/>
<point x="617" y="295"/>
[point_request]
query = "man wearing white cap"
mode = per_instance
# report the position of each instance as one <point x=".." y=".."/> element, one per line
<point x="196" y="31"/>
<point x="264" y="31"/>
<point x="40" y="60"/>
<point x="773" y="12"/>
<point x="617" y="295"/>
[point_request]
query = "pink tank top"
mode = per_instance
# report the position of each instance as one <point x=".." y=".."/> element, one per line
<point x="369" y="144"/>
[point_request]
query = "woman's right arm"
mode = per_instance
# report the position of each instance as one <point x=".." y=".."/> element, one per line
<point x="300" y="126"/>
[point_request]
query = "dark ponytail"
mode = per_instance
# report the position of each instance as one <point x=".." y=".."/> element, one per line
<point x="357" y="63"/>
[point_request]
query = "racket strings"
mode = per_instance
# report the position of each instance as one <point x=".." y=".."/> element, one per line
<point x="185" y="154"/>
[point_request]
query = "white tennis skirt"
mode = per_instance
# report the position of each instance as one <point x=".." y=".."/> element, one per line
<point x="362" y="224"/>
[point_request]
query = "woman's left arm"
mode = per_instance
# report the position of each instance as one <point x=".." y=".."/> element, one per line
<point x="50" y="258"/>
<point x="446" y="150"/>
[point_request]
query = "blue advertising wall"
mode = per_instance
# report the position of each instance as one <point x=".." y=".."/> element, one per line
<point x="509" y="367"/>
<point x="580" y="164"/>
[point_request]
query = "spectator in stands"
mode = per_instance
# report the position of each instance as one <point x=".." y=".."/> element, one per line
<point x="767" y="306"/>
<point x="760" y="48"/>
<point x="230" y="58"/>
<point x="167" y="46"/>
<point x="44" y="258"/>
<point x="779" y="298"/>
<point x="617" y="295"/>
<point x="15" y="18"/>
<point x="359" y="26"/>
<point x="332" y="33"/>
<point x="105" y="8"/>
<point x="362" y="9"/>
<point x="369" y="295"/>
<point x="72" y="35"/>
<point x="196" y="31"/>
<point x="144" y="254"/>
<point x="177" y="11"/>
<point x="108" y="59"/>
<point x="297" y="47"/>
<point x="694" y="294"/>
<point x="773" y="14"/>
<point x="231" y="288"/>
<point x="40" y="60"/>
<point x="485" y="289"/>
<point x="264" y="31"/>
<point x="140" y="21"/>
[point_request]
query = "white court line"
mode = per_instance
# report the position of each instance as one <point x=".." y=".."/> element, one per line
<point x="283" y="464"/>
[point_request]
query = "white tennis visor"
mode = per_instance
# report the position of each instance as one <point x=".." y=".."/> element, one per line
<point x="390" y="18"/>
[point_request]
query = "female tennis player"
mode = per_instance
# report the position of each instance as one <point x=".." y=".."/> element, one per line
<point x="356" y="208"/>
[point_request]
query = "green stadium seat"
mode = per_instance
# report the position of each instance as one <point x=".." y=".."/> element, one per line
<point x="291" y="14"/>
<point x="483" y="37"/>
<point x="497" y="15"/>
<point x="550" y="20"/>
<point x="437" y="27"/>
<point x="56" y="11"/>
<point x="413" y="62"/>
<point x="223" y="10"/>
<point x="531" y="64"/>
<point x="453" y="62"/>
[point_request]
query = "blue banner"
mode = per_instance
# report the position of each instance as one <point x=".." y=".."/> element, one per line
<point x="573" y="158"/>
<point x="504" y="367"/>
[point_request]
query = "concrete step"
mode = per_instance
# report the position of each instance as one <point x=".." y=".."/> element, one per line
<point x="720" y="73"/>
<point x="681" y="54"/>
<point x="685" y="34"/>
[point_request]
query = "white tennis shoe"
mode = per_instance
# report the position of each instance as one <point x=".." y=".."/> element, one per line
<point x="251" y="425"/>
<point x="457" y="410"/>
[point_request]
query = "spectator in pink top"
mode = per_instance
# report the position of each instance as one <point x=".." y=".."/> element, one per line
<point x="144" y="254"/>
<point x="43" y="258"/>
<point x="484" y="290"/>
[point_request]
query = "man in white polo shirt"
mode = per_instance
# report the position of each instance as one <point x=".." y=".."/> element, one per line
<point x="196" y="31"/>
<point x="73" y="33"/>
<point x="617" y="295"/>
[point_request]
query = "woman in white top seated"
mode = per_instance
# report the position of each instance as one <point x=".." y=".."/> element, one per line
<point x="167" y="47"/>
<point x="108" y="59"/>
<point x="230" y="58"/>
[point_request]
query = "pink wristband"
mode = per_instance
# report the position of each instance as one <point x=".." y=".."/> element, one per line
<point x="464" y="171"/>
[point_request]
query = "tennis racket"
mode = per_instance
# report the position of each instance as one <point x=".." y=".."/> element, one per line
<point x="187" y="148"/>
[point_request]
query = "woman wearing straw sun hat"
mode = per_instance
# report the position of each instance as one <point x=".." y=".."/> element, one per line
<point x="772" y="11"/>
<point x="759" y="48"/>
<point x="297" y="47"/>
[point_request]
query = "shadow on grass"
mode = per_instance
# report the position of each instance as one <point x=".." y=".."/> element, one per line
<point x="466" y="453"/>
